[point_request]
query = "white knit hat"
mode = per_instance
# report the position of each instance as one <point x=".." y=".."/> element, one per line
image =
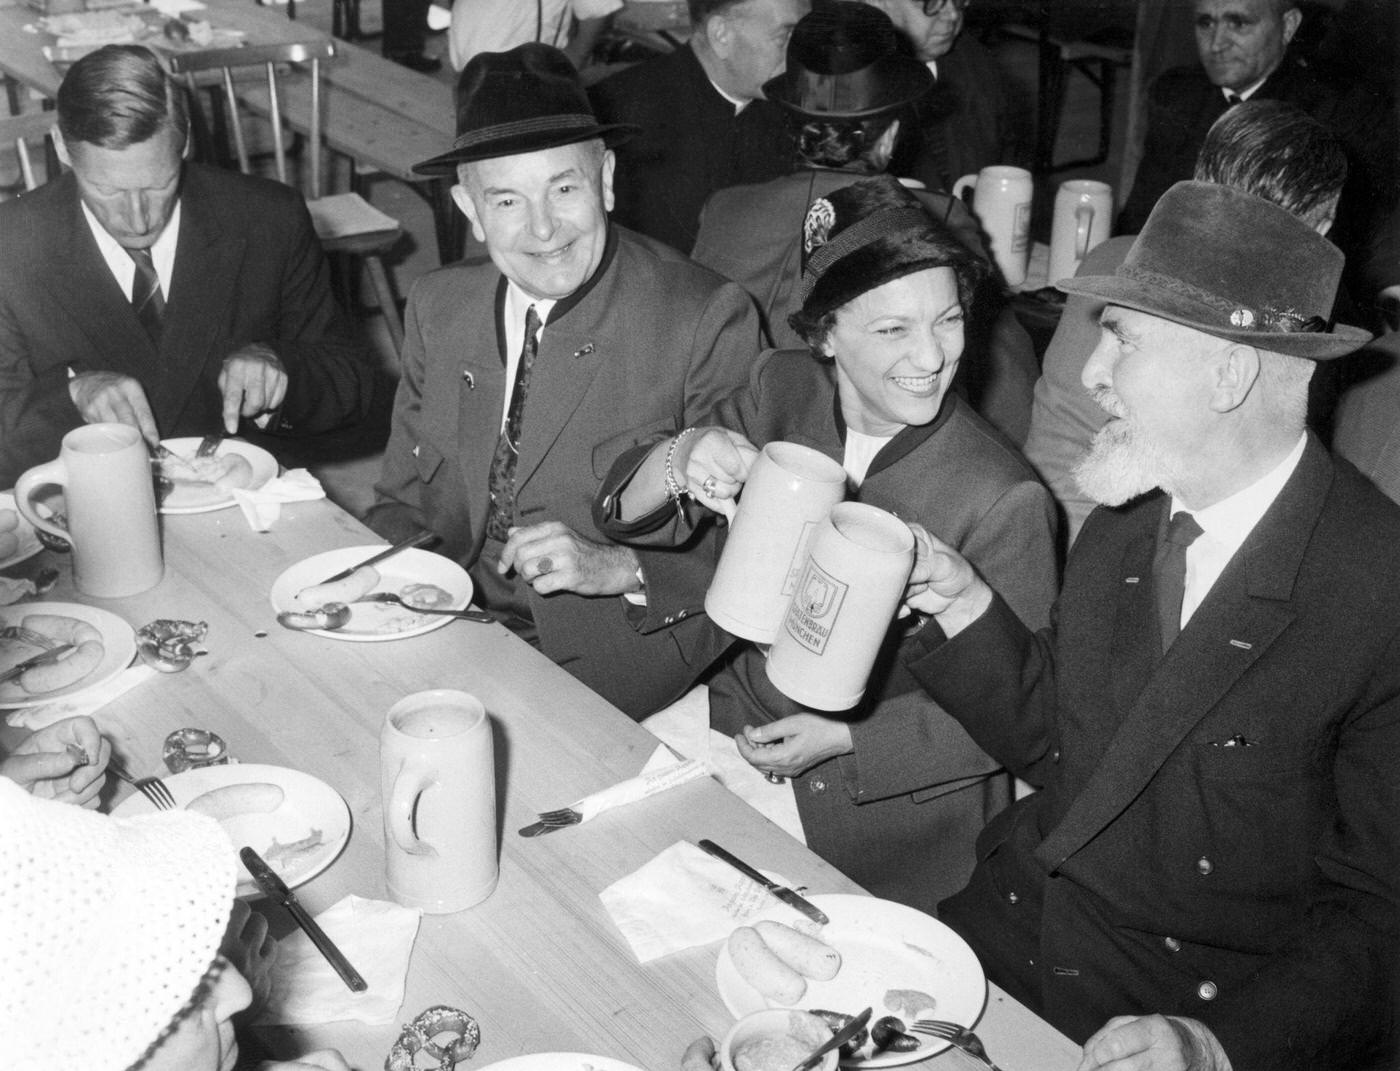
<point x="107" y="926"/>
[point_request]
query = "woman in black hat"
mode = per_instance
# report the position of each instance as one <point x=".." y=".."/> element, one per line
<point x="894" y="791"/>
<point x="847" y="93"/>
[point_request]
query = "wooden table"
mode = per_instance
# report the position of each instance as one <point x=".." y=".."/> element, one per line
<point x="539" y="964"/>
<point x="378" y="113"/>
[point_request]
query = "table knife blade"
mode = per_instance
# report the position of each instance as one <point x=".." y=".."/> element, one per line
<point x="788" y="896"/>
<point x="422" y="539"/>
<point x="44" y="659"/>
<point x="276" y="889"/>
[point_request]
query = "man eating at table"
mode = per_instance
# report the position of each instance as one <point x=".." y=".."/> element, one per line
<point x="1214" y="717"/>
<point x="148" y="290"/>
<point x="523" y="379"/>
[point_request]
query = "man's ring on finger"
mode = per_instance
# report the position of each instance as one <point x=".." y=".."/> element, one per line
<point x="545" y="565"/>
<point x="707" y="488"/>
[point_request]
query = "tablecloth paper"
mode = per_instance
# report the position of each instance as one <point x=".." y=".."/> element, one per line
<point x="87" y="703"/>
<point x="262" y="508"/>
<point x="684" y="898"/>
<point x="377" y="938"/>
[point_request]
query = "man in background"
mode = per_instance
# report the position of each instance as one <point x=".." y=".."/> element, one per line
<point x="148" y="290"/>
<point x="703" y="122"/>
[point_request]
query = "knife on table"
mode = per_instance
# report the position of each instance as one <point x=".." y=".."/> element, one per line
<point x="422" y="539"/>
<point x="276" y="889"/>
<point x="786" y="895"/>
<point x="47" y="658"/>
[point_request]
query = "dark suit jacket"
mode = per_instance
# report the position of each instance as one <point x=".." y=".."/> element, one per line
<point x="1182" y="103"/>
<point x="248" y="268"/>
<point x="964" y="125"/>
<point x="753" y="235"/>
<point x="900" y="814"/>
<point x="1217" y="835"/>
<point x="691" y="144"/>
<point x="651" y="343"/>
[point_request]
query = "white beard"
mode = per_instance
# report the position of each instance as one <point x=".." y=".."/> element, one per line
<point x="1122" y="462"/>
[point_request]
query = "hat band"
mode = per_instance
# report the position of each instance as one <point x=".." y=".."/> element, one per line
<point x="523" y="127"/>
<point x="882" y="224"/>
<point x="1267" y="318"/>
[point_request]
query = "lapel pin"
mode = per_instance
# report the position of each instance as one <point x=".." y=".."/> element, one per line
<point x="584" y="351"/>
<point x="1131" y="579"/>
<point x="1242" y="645"/>
<point x="468" y="379"/>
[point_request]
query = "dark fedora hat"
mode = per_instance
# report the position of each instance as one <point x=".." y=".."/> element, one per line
<point x="844" y="62"/>
<point x="520" y="101"/>
<point x="1234" y="266"/>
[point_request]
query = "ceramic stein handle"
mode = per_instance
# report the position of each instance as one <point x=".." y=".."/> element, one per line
<point x="50" y="474"/>
<point x="409" y="786"/>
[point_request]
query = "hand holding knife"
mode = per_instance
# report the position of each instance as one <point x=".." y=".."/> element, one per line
<point x="276" y="889"/>
<point x="787" y="896"/>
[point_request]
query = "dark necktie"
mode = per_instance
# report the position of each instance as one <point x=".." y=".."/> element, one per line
<point x="1169" y="573"/>
<point x="146" y="299"/>
<point x="502" y="512"/>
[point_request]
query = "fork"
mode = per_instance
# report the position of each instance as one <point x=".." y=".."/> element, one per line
<point x="564" y="816"/>
<point x="153" y="788"/>
<point x="957" y="1035"/>
<point x="391" y="597"/>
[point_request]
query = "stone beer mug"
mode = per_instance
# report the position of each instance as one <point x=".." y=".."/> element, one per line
<point x="1083" y="217"/>
<point x="110" y="500"/>
<point x="438" y="775"/>
<point x="848" y="593"/>
<point x="790" y="490"/>
<point x="1001" y="201"/>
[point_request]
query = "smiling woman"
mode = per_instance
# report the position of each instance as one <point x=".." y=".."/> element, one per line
<point x="893" y="791"/>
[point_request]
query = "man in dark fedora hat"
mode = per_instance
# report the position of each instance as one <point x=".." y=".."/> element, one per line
<point x="845" y="94"/>
<point x="1214" y="718"/>
<point x="525" y="377"/>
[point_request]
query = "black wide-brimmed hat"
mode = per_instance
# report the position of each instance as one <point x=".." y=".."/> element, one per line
<point x="1234" y="266"/>
<point x="520" y="101"/>
<point x="844" y="62"/>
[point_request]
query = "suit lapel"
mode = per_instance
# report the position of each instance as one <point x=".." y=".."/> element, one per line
<point x="1136" y="645"/>
<point x="474" y="397"/>
<point x="1244" y="613"/>
<point x="564" y="370"/>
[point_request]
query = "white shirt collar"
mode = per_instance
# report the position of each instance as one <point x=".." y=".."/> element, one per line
<point x="119" y="261"/>
<point x="739" y="105"/>
<point x="1246" y="93"/>
<point x="516" y="306"/>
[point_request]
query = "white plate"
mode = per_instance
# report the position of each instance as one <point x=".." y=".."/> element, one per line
<point x="559" y="1061"/>
<point x="883" y="946"/>
<point x="118" y="643"/>
<point x="376" y="621"/>
<point x="29" y="544"/>
<point x="205" y="498"/>
<point x="309" y="805"/>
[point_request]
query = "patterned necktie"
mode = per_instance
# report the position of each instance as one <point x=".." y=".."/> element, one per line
<point x="502" y="512"/>
<point x="1169" y="573"/>
<point x="146" y="299"/>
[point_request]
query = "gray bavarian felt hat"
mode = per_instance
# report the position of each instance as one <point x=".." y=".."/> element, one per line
<point x="520" y="101"/>
<point x="1234" y="266"/>
<point x="844" y="62"/>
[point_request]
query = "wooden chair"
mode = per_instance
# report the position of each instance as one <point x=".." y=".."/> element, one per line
<point x="290" y="91"/>
<point x="20" y="131"/>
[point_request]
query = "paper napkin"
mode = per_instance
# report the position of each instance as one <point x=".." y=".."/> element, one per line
<point x="263" y="506"/>
<point x="90" y="700"/>
<point x="661" y="772"/>
<point x="12" y="590"/>
<point x="684" y="898"/>
<point x="377" y="938"/>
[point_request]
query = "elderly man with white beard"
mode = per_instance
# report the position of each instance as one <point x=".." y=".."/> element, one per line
<point x="1209" y="876"/>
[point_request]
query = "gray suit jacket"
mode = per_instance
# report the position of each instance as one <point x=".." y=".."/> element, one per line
<point x="651" y="343"/>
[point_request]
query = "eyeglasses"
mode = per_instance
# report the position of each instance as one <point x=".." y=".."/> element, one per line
<point x="938" y="7"/>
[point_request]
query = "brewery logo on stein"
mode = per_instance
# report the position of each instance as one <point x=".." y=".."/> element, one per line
<point x="799" y="558"/>
<point x="815" y="606"/>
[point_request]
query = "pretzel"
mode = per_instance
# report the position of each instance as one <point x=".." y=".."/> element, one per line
<point x="421" y="1034"/>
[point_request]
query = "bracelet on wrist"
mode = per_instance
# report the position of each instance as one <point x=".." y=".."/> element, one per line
<point x="675" y="493"/>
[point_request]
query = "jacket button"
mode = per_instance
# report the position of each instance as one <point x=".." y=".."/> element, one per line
<point x="1173" y="945"/>
<point x="1204" y="866"/>
<point x="669" y="620"/>
<point x="681" y="614"/>
<point x="1055" y="755"/>
<point x="817" y="785"/>
<point x="1207" y="990"/>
